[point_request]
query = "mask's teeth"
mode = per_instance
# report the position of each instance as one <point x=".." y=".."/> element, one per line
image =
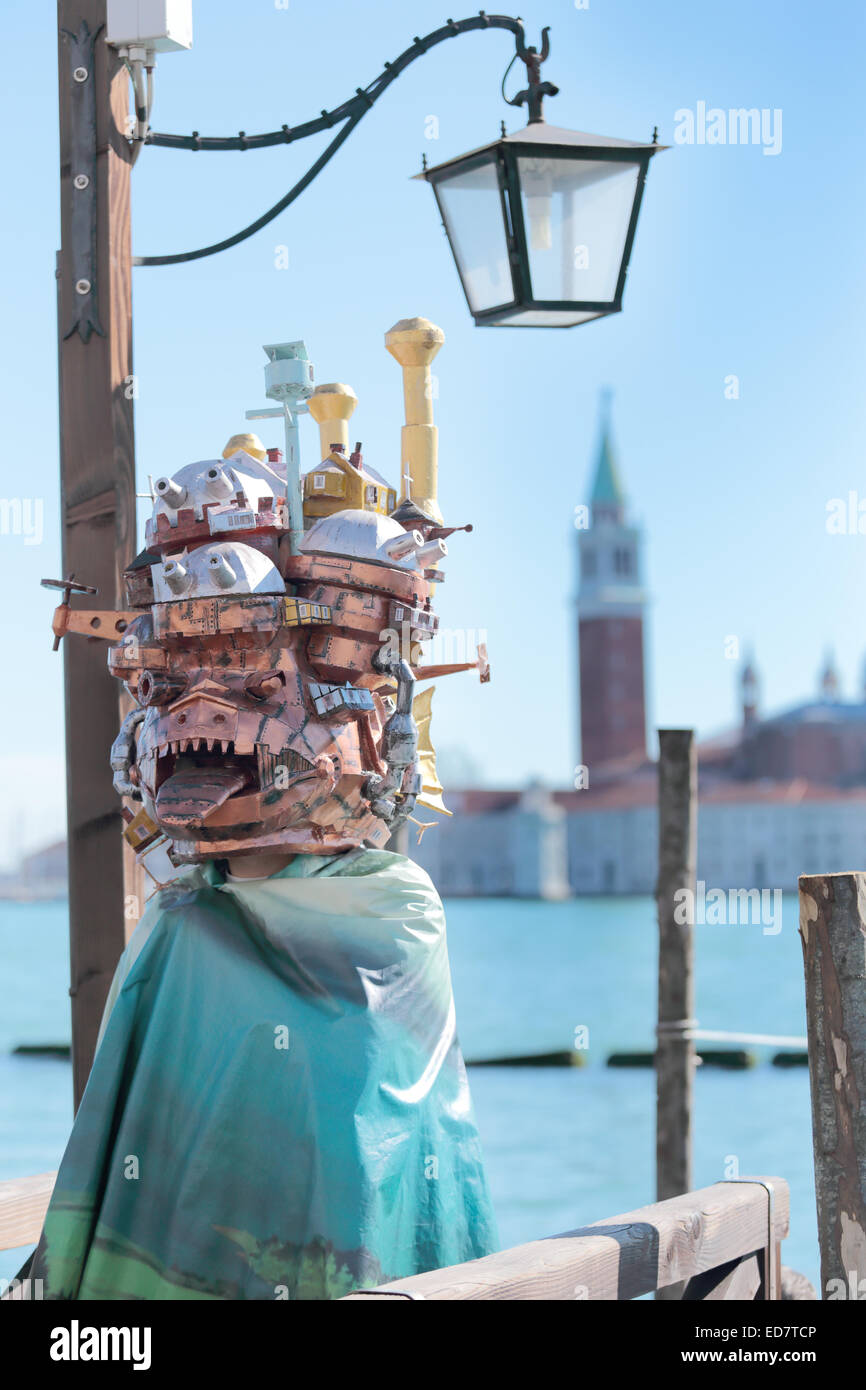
<point x="224" y="745"/>
<point x="197" y="744"/>
<point x="210" y="743"/>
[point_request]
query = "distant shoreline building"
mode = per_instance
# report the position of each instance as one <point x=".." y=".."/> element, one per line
<point x="511" y="844"/>
<point x="40" y="876"/>
<point x="779" y="795"/>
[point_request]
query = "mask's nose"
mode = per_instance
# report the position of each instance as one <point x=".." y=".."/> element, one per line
<point x="198" y="719"/>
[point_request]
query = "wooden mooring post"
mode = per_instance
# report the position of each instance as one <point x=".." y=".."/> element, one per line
<point x="833" y="933"/>
<point x="675" y="1051"/>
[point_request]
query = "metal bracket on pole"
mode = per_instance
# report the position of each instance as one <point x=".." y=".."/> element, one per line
<point x="82" y="174"/>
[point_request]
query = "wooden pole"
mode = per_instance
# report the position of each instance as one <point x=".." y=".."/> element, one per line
<point x="833" y="933"/>
<point x="675" y="1055"/>
<point x="97" y="485"/>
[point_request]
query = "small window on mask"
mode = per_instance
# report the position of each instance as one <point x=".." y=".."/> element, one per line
<point x="319" y="481"/>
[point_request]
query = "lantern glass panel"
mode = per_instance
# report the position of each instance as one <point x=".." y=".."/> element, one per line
<point x="576" y="213"/>
<point x="471" y="207"/>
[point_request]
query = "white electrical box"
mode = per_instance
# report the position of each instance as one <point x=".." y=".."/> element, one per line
<point x="162" y="26"/>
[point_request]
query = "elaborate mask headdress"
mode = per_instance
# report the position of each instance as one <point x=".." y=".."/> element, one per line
<point x="274" y="680"/>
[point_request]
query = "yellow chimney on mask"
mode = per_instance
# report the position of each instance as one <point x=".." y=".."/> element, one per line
<point x="332" y="406"/>
<point x="414" y="343"/>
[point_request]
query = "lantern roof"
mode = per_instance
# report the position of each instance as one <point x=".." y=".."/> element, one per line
<point x="552" y="137"/>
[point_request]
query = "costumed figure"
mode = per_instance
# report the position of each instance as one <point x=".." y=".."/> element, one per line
<point x="278" y="1106"/>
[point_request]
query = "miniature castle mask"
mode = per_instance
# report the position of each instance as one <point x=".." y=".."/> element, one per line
<point x="272" y="680"/>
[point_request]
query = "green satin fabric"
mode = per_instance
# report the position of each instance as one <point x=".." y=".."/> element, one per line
<point x="278" y="1108"/>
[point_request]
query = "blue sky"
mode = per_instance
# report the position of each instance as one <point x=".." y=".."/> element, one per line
<point x="744" y="264"/>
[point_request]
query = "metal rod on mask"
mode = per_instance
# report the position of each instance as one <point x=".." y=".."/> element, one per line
<point x="293" y="469"/>
<point x="293" y="480"/>
<point x="289" y="380"/>
<point x="399" y="750"/>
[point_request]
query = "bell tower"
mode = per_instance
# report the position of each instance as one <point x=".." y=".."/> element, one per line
<point x="610" y="609"/>
<point x="749" y="691"/>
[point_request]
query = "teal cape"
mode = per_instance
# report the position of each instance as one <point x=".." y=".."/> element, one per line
<point x="278" y="1106"/>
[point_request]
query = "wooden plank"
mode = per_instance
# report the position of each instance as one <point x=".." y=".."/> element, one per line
<point x="620" y="1258"/>
<point x="833" y="934"/>
<point x="23" y="1204"/>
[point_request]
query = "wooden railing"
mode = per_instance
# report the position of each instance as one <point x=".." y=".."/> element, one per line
<point x="721" y="1242"/>
<point x="23" y="1204"/>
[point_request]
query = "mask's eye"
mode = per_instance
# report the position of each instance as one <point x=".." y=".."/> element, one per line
<point x="157" y="688"/>
<point x="263" y="684"/>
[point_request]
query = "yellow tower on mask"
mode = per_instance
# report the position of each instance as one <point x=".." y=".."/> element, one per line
<point x="332" y="406"/>
<point x="414" y="343"/>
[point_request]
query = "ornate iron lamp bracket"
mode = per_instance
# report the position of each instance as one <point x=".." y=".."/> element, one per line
<point x="533" y="95"/>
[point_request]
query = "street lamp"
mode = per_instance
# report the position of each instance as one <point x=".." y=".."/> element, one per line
<point x="541" y="223"/>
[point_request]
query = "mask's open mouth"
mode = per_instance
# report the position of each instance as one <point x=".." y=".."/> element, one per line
<point x="194" y="779"/>
<point x="192" y="784"/>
